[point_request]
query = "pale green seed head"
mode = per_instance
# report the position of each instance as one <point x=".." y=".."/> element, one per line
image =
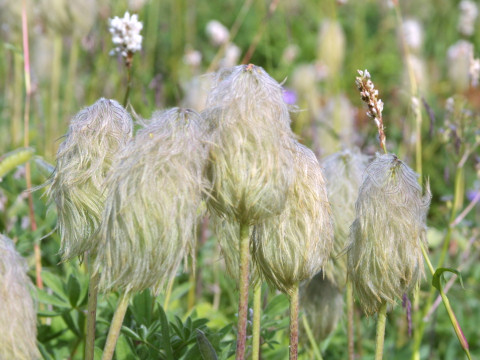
<point x="153" y="202"/>
<point x="384" y="255"/>
<point x="322" y="303"/>
<point x="250" y="161"/>
<point x="84" y="158"/>
<point x="18" y="318"/>
<point x="343" y="171"/>
<point x="296" y="245"/>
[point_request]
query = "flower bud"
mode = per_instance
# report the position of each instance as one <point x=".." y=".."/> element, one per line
<point x="295" y="245"/>
<point x="250" y="163"/>
<point x="384" y="255"/>
<point x="84" y="158"/>
<point x="153" y="203"/>
<point x="18" y="319"/>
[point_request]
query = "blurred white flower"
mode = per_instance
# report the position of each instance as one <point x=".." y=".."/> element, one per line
<point x="412" y="33"/>
<point x="290" y="53"/>
<point x="459" y="56"/>
<point x="232" y="54"/>
<point x="126" y="34"/>
<point x="468" y="15"/>
<point x="474" y="71"/>
<point x="217" y="33"/>
<point x="192" y="57"/>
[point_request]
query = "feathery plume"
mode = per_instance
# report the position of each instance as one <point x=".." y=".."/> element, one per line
<point x="153" y="203"/>
<point x="384" y="255"/>
<point x="17" y="313"/>
<point x="296" y="245"/>
<point x="84" y="158"/>
<point x="250" y="163"/>
<point x="343" y="171"/>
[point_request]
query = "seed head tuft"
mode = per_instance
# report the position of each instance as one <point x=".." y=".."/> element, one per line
<point x="84" y="158"/>
<point x="153" y="203"/>
<point x="18" y="318"/>
<point x="384" y="255"/>
<point x="296" y="245"/>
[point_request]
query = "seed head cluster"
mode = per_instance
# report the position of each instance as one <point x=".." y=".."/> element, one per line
<point x="153" y="203"/>
<point x="84" y="159"/>
<point x="18" y="318"/>
<point x="384" y="255"/>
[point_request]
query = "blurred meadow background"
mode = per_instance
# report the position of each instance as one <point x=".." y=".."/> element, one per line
<point x="423" y="61"/>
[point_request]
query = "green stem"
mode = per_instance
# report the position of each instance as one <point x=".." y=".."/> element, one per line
<point x="71" y="77"/>
<point x="456" y="325"/>
<point x="381" y="320"/>
<point x="294" y="324"/>
<point x="351" y="351"/>
<point x="257" y="310"/>
<point x="243" y="296"/>
<point x="311" y="338"/>
<point x="168" y="294"/>
<point x="116" y="326"/>
<point x="91" y="316"/>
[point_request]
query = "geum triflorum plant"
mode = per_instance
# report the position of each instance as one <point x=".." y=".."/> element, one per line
<point x="152" y="208"/>
<point x="295" y="245"/>
<point x="250" y="162"/>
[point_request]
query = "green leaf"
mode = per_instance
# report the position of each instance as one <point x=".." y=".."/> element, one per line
<point x="45" y="298"/>
<point x="55" y="283"/>
<point x="123" y="351"/>
<point x="73" y="287"/>
<point x="167" y="346"/>
<point x="277" y="306"/>
<point x="71" y="323"/>
<point x="206" y="349"/>
<point x="438" y="276"/>
<point x="130" y="333"/>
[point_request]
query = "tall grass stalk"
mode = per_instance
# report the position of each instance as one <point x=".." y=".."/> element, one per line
<point x="257" y="312"/>
<point x="26" y="143"/>
<point x="311" y="338"/>
<point x="69" y="98"/>
<point x="16" y="135"/>
<point x="243" y="287"/>
<point x="54" y="119"/>
<point x="116" y="326"/>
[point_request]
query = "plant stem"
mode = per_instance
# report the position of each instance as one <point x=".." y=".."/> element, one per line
<point x="116" y="326"/>
<point x="168" y="293"/>
<point x="26" y="144"/>
<point x="350" y="336"/>
<point x="91" y="316"/>
<point x="243" y="297"/>
<point x="294" y="324"/>
<point x="381" y="320"/>
<point x="311" y="338"/>
<point x="257" y="309"/>
<point x="129" y="79"/>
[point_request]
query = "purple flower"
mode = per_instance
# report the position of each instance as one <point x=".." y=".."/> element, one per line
<point x="289" y="96"/>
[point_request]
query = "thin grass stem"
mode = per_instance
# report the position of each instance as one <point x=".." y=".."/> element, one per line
<point x="311" y="338"/>
<point x="294" y="324"/>
<point x="91" y="315"/>
<point x="243" y="296"/>
<point x="350" y="322"/>
<point x="380" y="338"/>
<point x="257" y="312"/>
<point x="116" y="326"/>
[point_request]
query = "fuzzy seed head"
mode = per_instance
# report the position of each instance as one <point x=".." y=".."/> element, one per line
<point x="296" y="245"/>
<point x="384" y="255"/>
<point x="18" y="318"/>
<point x="84" y="158"/>
<point x="250" y="161"/>
<point x="153" y="203"/>
<point x="343" y="171"/>
<point x="322" y="302"/>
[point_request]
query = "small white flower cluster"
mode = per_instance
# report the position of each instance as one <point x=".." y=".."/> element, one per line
<point x="192" y="58"/>
<point x="474" y="71"/>
<point x="217" y="33"/>
<point x="126" y="34"/>
<point x="468" y="15"/>
<point x="231" y="57"/>
<point x="369" y="95"/>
